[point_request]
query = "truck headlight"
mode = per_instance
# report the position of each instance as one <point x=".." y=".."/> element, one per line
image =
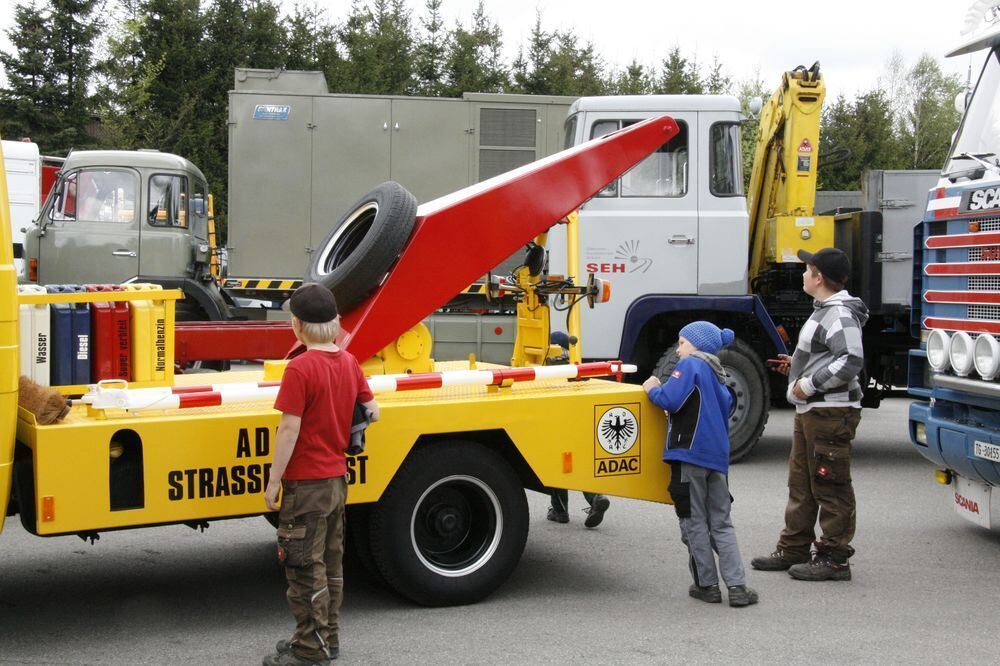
<point x="961" y="353"/>
<point x="987" y="356"/>
<point x="920" y="433"/>
<point x="937" y="350"/>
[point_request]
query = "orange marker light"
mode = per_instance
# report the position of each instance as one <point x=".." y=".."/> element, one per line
<point x="48" y="508"/>
<point x="973" y="227"/>
<point x="567" y="462"/>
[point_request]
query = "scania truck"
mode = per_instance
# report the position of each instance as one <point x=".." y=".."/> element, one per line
<point x="956" y="296"/>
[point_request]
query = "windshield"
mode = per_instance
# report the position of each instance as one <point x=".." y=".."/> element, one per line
<point x="980" y="129"/>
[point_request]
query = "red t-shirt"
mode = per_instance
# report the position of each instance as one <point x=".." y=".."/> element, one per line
<point x="321" y="387"/>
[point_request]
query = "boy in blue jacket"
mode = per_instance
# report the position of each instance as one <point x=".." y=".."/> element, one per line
<point x="697" y="402"/>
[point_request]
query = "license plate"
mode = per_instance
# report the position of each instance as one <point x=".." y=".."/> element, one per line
<point x="972" y="501"/>
<point x="986" y="451"/>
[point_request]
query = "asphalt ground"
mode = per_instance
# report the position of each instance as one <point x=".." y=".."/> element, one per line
<point x="925" y="586"/>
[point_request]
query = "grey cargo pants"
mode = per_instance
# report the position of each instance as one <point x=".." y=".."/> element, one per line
<point x="706" y="524"/>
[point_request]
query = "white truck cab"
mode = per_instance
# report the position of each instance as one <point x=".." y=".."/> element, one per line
<point x="675" y="224"/>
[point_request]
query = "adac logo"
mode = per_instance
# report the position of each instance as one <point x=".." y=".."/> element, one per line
<point x="617" y="443"/>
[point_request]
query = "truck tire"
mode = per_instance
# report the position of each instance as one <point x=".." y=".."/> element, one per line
<point x="364" y="244"/>
<point x="451" y="526"/>
<point x="358" y="547"/>
<point x="749" y="388"/>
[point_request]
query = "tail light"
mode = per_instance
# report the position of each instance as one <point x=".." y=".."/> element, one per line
<point x="33" y="270"/>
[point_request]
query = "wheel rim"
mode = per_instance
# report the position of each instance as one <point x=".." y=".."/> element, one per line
<point x="739" y="391"/>
<point x="456" y="526"/>
<point x="347" y="238"/>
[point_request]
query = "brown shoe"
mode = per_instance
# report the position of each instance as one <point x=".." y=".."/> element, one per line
<point x="777" y="561"/>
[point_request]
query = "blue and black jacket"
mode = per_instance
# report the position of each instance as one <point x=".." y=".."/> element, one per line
<point x="698" y="402"/>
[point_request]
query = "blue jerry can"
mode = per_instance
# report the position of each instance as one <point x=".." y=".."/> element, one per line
<point x="70" y="338"/>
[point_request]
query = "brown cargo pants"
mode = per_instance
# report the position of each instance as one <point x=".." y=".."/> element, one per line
<point x="311" y="547"/>
<point x="819" y="483"/>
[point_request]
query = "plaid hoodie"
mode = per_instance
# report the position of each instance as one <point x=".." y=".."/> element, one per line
<point x="828" y="357"/>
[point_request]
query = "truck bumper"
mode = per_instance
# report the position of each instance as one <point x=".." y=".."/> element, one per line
<point x="951" y="444"/>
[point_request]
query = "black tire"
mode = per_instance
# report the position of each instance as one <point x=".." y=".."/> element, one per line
<point x="452" y="525"/>
<point x="364" y="244"/>
<point x="358" y="551"/>
<point x="749" y="387"/>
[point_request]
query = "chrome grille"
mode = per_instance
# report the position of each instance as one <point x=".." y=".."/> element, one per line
<point x="984" y="282"/>
<point x="984" y="312"/>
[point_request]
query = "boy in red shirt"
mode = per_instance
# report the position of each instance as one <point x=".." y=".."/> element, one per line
<point x="318" y="393"/>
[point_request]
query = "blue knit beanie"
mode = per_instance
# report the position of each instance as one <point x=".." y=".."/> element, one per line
<point x="707" y="337"/>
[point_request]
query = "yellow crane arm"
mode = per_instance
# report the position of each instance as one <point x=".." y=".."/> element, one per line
<point x="783" y="179"/>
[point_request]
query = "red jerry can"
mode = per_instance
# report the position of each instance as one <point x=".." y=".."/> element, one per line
<point x="111" y="356"/>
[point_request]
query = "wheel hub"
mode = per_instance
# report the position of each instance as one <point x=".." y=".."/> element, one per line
<point x="740" y="393"/>
<point x="456" y="526"/>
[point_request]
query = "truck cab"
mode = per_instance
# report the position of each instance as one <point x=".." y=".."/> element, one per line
<point x="956" y="301"/>
<point x="116" y="216"/>
<point x="676" y="222"/>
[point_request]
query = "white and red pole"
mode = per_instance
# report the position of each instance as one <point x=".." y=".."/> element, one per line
<point x="115" y="394"/>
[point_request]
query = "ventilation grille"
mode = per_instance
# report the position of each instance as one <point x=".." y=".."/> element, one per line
<point x="984" y="312"/>
<point x="984" y="283"/>
<point x="507" y="127"/>
<point x="989" y="224"/>
<point x="975" y="254"/>
<point x="495" y="162"/>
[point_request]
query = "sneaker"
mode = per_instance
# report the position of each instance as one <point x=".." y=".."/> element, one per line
<point x="710" y="594"/>
<point x="776" y="561"/>
<point x="822" y="567"/>
<point x="741" y="595"/>
<point x="595" y="513"/>
<point x="291" y="659"/>
<point x="557" y="516"/>
<point x="284" y="646"/>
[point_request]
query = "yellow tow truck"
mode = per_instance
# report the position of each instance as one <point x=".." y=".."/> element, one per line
<point x="437" y="500"/>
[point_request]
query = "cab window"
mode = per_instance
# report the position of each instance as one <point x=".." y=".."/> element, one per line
<point x="96" y="195"/>
<point x="570" y="132"/>
<point x="662" y="174"/>
<point x="725" y="173"/>
<point x="168" y="200"/>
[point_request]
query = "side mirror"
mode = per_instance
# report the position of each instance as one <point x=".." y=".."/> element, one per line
<point x="961" y="102"/>
<point x="755" y="106"/>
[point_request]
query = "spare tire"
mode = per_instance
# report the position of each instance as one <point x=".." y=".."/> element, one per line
<point x="363" y="245"/>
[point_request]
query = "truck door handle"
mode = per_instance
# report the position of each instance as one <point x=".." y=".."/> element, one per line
<point x="124" y="253"/>
<point x="680" y="240"/>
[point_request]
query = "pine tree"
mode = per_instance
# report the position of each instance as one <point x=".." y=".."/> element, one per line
<point x="431" y="52"/>
<point x="74" y="29"/>
<point x="680" y="76"/>
<point x="635" y="79"/>
<point x="717" y="82"/>
<point x="378" y="45"/>
<point x="574" y="71"/>
<point x="29" y="102"/>
<point x="474" y="61"/>
<point x="531" y="73"/>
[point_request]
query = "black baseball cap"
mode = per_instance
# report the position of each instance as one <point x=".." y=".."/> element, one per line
<point x="831" y="262"/>
<point x="313" y="303"/>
